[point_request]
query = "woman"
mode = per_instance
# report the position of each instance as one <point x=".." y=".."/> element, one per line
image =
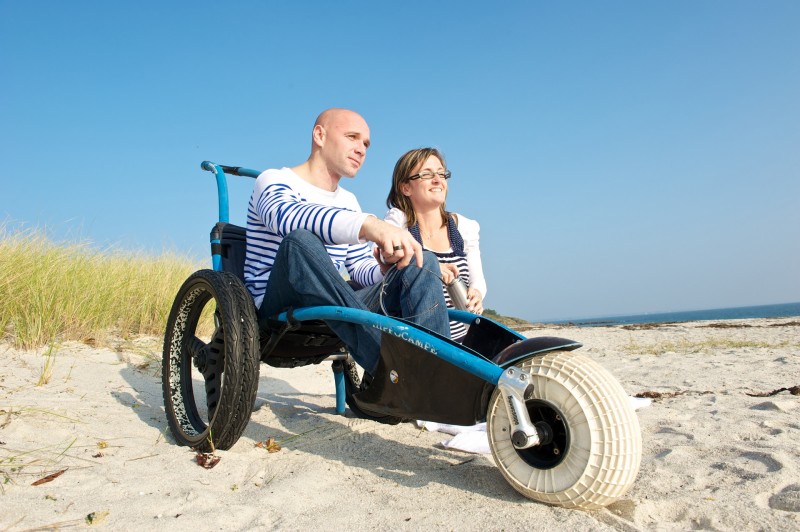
<point x="417" y="202"/>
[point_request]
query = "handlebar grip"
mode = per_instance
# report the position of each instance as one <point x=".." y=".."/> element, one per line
<point x="230" y="170"/>
<point x="208" y="166"/>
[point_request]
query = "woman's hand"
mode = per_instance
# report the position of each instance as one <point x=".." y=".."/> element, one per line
<point x="474" y="301"/>
<point x="449" y="272"/>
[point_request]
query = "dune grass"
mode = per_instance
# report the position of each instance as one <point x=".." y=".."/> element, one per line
<point x="54" y="292"/>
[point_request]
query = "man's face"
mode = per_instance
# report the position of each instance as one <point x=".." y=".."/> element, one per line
<point x="345" y="143"/>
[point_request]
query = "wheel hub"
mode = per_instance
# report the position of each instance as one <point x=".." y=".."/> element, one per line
<point x="199" y="355"/>
<point x="209" y="358"/>
<point x="553" y="433"/>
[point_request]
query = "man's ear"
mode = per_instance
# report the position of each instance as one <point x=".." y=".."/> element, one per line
<point x="318" y="135"/>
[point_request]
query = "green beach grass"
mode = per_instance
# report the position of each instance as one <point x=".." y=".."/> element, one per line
<point x="52" y="292"/>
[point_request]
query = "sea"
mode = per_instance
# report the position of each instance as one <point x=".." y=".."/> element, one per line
<point x="782" y="310"/>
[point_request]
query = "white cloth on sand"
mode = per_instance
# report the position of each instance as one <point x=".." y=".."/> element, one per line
<point x="473" y="438"/>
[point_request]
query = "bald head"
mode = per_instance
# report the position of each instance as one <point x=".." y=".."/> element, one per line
<point x="336" y="119"/>
<point x="334" y="114"/>
<point x="339" y="143"/>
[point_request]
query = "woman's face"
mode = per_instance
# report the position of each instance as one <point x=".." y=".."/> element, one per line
<point x="426" y="192"/>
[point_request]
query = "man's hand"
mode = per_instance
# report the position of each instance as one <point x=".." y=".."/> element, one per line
<point x="395" y="245"/>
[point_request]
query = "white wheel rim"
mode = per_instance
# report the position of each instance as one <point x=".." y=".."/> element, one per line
<point x="604" y="440"/>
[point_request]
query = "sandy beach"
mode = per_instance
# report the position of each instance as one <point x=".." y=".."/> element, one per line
<point x="91" y="448"/>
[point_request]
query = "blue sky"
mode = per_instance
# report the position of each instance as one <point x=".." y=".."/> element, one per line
<point x="622" y="157"/>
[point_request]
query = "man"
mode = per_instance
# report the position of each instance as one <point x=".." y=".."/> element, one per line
<point x="303" y="228"/>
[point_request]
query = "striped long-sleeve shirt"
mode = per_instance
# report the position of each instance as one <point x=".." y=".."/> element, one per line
<point x="281" y="202"/>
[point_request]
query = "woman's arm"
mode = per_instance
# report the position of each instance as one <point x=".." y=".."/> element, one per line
<point x="470" y="231"/>
<point x="396" y="217"/>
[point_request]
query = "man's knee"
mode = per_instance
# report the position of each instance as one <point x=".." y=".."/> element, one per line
<point x="428" y="273"/>
<point x="301" y="236"/>
<point x="301" y="242"/>
<point x="430" y="261"/>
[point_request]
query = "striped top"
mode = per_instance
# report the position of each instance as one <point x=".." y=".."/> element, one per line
<point x="464" y="253"/>
<point x="457" y="329"/>
<point x="281" y="202"/>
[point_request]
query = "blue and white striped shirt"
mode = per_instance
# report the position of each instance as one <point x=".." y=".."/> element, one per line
<point x="281" y="202"/>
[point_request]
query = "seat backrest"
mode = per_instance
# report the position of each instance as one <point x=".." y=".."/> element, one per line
<point x="232" y="247"/>
<point x="312" y="343"/>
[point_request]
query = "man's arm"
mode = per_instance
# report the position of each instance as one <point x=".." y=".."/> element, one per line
<point x="282" y="211"/>
<point x="362" y="265"/>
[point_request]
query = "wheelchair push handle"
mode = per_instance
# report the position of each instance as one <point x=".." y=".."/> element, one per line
<point x="219" y="172"/>
<point x="208" y="166"/>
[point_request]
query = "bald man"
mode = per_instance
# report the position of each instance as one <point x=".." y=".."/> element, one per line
<point x="303" y="228"/>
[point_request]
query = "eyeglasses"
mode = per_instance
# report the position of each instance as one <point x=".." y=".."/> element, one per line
<point x="428" y="175"/>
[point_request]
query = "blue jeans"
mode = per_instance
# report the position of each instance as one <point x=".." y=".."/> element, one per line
<point x="303" y="275"/>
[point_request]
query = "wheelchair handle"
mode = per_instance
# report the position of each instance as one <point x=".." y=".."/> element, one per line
<point x="208" y="166"/>
<point x="219" y="172"/>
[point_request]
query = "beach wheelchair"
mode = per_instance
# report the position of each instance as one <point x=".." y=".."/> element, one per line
<point x="561" y="429"/>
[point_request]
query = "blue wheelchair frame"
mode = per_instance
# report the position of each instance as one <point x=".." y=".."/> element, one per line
<point x="451" y="352"/>
<point x="561" y="429"/>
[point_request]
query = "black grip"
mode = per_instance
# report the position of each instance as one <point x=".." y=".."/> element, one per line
<point x="208" y="166"/>
<point x="232" y="170"/>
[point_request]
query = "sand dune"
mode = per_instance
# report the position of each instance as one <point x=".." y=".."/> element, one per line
<point x="716" y="457"/>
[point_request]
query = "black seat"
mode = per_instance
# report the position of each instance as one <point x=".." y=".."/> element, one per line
<point x="282" y="345"/>
<point x="232" y="247"/>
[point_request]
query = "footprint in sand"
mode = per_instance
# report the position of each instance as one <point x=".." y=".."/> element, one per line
<point x="749" y="465"/>
<point x="669" y="435"/>
<point x="770" y="464"/>
<point x="777" y="406"/>
<point x="788" y="499"/>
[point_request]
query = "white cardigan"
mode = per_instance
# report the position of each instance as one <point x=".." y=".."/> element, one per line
<point x="469" y="230"/>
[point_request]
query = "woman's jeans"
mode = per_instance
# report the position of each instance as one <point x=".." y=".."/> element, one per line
<point x="303" y="275"/>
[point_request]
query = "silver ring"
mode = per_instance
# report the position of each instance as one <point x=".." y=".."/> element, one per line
<point x="398" y="248"/>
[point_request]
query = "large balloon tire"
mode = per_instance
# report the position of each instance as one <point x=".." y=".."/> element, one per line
<point x="229" y="363"/>
<point x="596" y="446"/>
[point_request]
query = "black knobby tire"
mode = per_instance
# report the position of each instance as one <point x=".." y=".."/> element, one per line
<point x="594" y="444"/>
<point x="210" y="387"/>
